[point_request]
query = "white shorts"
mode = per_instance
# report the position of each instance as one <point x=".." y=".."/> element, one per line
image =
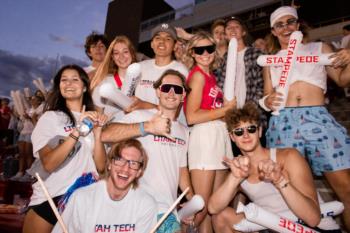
<point x="209" y="142"/>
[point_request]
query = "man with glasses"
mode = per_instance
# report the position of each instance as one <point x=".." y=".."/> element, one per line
<point x="274" y="179"/>
<point x="114" y="204"/>
<point x="165" y="140"/>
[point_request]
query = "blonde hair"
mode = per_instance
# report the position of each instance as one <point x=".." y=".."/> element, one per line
<point x="108" y="66"/>
<point x="200" y="35"/>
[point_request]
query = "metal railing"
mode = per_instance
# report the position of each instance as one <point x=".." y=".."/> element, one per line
<point x="167" y="17"/>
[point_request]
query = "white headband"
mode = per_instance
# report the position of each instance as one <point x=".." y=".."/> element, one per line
<point x="282" y="11"/>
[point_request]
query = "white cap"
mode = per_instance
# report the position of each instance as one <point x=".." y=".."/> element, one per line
<point x="282" y="11"/>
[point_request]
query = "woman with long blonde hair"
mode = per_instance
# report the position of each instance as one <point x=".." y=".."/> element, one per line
<point x="120" y="54"/>
<point x="204" y="109"/>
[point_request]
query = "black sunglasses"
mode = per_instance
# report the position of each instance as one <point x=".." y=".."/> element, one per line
<point x="240" y="131"/>
<point x="167" y="87"/>
<point x="290" y="22"/>
<point x="200" y="50"/>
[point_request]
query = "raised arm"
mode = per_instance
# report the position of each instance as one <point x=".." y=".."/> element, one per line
<point x="52" y="158"/>
<point x="99" y="154"/>
<point x="339" y="71"/>
<point x="116" y="132"/>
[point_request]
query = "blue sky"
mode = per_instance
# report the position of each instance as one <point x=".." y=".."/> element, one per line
<point x="34" y="32"/>
<point x="49" y="27"/>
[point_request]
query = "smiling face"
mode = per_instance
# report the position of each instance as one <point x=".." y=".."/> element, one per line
<point x="248" y="141"/>
<point x="162" y="44"/>
<point x="219" y="34"/>
<point x="170" y="100"/>
<point x="205" y="59"/>
<point x="121" y="177"/>
<point x="97" y="51"/>
<point x="121" y="55"/>
<point x="71" y="86"/>
<point x="283" y="28"/>
<point x="234" y="29"/>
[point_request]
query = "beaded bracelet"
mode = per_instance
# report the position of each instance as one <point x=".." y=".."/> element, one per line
<point x="74" y="137"/>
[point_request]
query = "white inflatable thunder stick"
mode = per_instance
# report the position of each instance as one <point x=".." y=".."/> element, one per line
<point x="42" y="86"/>
<point x="270" y="220"/>
<point x="132" y="76"/>
<point x="191" y="207"/>
<point x="287" y="70"/>
<point x="38" y="86"/>
<point x="110" y="92"/>
<point x="328" y="210"/>
<point x="27" y="92"/>
<point x="15" y="102"/>
<point x="271" y="60"/>
<point x="229" y="85"/>
<point x="25" y="103"/>
<point x="19" y="102"/>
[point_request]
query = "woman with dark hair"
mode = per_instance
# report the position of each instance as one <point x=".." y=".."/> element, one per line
<point x="305" y="123"/>
<point x="64" y="153"/>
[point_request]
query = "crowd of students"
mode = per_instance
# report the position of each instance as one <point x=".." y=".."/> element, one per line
<point x="181" y="132"/>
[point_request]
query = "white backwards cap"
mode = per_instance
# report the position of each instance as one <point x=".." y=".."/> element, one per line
<point x="282" y="11"/>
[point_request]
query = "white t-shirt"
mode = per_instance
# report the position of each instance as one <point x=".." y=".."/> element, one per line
<point x="166" y="157"/>
<point x="91" y="209"/>
<point x="307" y="72"/>
<point x="50" y="125"/>
<point x="109" y="107"/>
<point x="345" y="42"/>
<point x="150" y="73"/>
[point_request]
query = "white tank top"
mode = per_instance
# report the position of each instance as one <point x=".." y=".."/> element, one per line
<point x="307" y="72"/>
<point x="264" y="194"/>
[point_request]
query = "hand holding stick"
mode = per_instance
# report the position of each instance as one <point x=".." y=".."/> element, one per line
<point x="170" y="210"/>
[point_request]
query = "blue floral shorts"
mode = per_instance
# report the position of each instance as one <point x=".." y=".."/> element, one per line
<point x="315" y="133"/>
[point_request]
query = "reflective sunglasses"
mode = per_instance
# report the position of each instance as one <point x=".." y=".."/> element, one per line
<point x="167" y="87"/>
<point x="240" y="131"/>
<point x="290" y="22"/>
<point x="132" y="164"/>
<point x="200" y="50"/>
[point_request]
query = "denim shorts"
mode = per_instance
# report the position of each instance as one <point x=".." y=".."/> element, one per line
<point x="315" y="133"/>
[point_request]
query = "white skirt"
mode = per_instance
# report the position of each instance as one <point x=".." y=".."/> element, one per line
<point x="209" y="142"/>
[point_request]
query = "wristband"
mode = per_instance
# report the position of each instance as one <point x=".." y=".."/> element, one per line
<point x="262" y="103"/>
<point x="282" y="184"/>
<point x="74" y="137"/>
<point x="142" y="129"/>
